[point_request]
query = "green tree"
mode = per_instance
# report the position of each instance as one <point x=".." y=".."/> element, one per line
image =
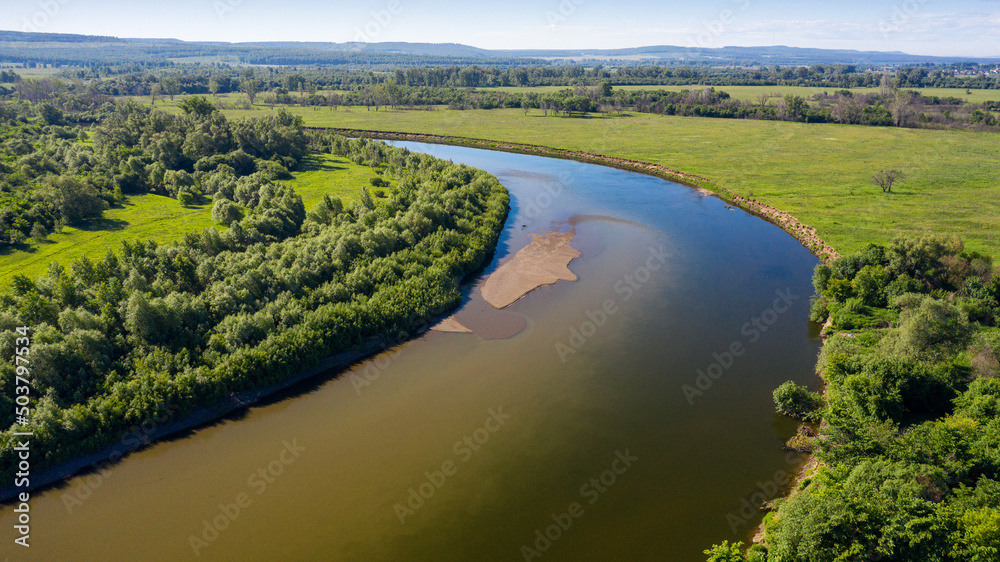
<point x="198" y="105"/>
<point x="172" y="87"/>
<point x="75" y="200"/>
<point x="38" y="231"/>
<point x="870" y="285"/>
<point x="185" y="197"/>
<point x="226" y="212"/>
<point x="250" y="87"/>
<point x="933" y="330"/>
<point x="796" y="401"/>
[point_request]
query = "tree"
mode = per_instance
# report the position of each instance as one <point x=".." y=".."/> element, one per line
<point x="251" y="88"/>
<point x="885" y="179"/>
<point x="796" y="401"/>
<point x="198" y="105"/>
<point x="171" y="86"/>
<point x="213" y="87"/>
<point x="74" y="199"/>
<point x="154" y="92"/>
<point x="51" y="115"/>
<point x="185" y="197"/>
<point x="795" y="108"/>
<point x="38" y="231"/>
<point x="226" y="212"/>
<point x="934" y="330"/>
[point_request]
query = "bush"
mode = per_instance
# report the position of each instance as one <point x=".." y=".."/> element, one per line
<point x="839" y="290"/>
<point x="38" y="231"/>
<point x="226" y="212"/>
<point x="933" y="330"/>
<point x="818" y="310"/>
<point x="185" y="197"/>
<point x="726" y="552"/>
<point x="796" y="401"/>
<point x="870" y="285"/>
<point x="378" y="181"/>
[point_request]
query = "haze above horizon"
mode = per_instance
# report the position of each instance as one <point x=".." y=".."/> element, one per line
<point x="919" y="27"/>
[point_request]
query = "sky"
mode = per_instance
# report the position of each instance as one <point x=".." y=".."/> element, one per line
<point x="924" y="27"/>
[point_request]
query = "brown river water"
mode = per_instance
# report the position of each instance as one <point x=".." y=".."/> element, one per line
<point x="628" y="417"/>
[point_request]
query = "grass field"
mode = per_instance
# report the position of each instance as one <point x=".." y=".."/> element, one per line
<point x="818" y="172"/>
<point x="164" y="220"/>
<point x="144" y="216"/>
<point x="325" y="174"/>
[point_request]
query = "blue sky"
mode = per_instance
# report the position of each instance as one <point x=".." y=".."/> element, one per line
<point x="932" y="27"/>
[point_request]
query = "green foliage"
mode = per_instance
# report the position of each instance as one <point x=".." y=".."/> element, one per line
<point x="870" y="285"/>
<point x="226" y="212"/>
<point x="840" y="290"/>
<point x="198" y="105"/>
<point x="185" y="198"/>
<point x="120" y="338"/>
<point x="796" y="401"/>
<point x="933" y="330"/>
<point x="909" y="443"/>
<point x="726" y="552"/>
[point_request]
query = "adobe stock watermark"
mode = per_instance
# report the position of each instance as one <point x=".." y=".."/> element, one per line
<point x="757" y="500"/>
<point x="225" y="7"/>
<point x="562" y="12"/>
<point x="464" y="449"/>
<point x="752" y="332"/>
<point x="259" y="481"/>
<point x="135" y="437"/>
<point x="46" y="12"/>
<point x="901" y="15"/>
<point x="626" y="288"/>
<point x="379" y="21"/>
<point x="376" y="367"/>
<point x="712" y="30"/>
<point x="546" y="197"/>
<point x="590" y="491"/>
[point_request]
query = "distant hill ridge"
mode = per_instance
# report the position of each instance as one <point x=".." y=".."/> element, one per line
<point x="51" y="46"/>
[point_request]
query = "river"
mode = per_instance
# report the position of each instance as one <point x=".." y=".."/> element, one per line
<point x="628" y="417"/>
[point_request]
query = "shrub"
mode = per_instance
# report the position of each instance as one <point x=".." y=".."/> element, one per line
<point x="796" y="401"/>
<point x="226" y="212"/>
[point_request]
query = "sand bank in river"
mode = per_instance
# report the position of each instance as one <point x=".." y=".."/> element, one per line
<point x="543" y="262"/>
<point x="450" y="324"/>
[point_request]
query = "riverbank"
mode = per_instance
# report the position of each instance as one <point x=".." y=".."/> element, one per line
<point x="197" y="418"/>
<point x="805" y="234"/>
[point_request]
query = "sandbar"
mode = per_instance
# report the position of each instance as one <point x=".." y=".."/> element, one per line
<point x="543" y="262"/>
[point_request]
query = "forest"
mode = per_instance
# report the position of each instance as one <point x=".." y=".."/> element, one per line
<point x="907" y="432"/>
<point x="150" y="330"/>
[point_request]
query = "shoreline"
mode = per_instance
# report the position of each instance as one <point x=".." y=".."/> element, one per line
<point x="806" y="235"/>
<point x="200" y="416"/>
